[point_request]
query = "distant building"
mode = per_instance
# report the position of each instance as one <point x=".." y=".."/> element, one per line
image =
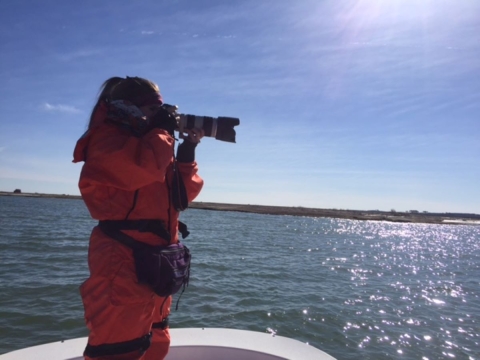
<point x="17" y="191"/>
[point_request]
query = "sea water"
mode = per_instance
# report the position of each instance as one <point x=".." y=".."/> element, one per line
<point x="355" y="289"/>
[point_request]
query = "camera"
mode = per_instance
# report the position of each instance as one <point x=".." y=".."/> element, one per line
<point x="220" y="128"/>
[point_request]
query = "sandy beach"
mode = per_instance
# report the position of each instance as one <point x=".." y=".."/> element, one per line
<point x="373" y="215"/>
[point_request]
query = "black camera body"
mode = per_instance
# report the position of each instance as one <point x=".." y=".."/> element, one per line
<point x="220" y="128"/>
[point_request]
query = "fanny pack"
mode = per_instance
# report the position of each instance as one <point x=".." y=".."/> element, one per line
<point x="166" y="269"/>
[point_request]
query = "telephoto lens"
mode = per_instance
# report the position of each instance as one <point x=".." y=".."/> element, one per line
<point x="221" y="128"/>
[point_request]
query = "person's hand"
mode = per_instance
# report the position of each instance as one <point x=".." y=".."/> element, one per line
<point x="192" y="135"/>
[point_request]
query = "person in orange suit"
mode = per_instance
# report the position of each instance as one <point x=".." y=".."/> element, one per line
<point x="129" y="164"/>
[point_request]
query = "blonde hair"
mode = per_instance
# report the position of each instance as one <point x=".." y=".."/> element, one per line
<point x="129" y="88"/>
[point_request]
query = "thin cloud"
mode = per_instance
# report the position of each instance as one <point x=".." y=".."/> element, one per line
<point x="28" y="167"/>
<point x="60" y="108"/>
<point x="28" y="174"/>
<point x="82" y="53"/>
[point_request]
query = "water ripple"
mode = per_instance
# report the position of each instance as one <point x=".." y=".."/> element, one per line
<point x="356" y="289"/>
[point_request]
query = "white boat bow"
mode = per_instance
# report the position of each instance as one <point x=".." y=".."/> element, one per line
<point x="194" y="343"/>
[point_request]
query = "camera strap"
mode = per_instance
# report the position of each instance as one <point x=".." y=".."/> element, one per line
<point x="179" y="192"/>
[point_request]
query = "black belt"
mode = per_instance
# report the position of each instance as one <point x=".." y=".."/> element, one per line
<point x="161" y="325"/>
<point x="139" y="345"/>
<point x="153" y="226"/>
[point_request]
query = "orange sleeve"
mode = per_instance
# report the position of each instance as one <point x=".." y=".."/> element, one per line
<point x="193" y="182"/>
<point x="117" y="159"/>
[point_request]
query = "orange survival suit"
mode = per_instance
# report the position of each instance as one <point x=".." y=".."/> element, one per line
<point x="125" y="176"/>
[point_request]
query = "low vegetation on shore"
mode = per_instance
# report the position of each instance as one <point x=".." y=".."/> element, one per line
<point x="412" y="216"/>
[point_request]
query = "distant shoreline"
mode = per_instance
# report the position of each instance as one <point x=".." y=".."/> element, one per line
<point x="376" y="215"/>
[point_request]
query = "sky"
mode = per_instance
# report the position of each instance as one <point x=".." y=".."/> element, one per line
<point x="343" y="104"/>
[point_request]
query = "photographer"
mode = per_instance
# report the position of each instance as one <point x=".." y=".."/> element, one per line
<point x="133" y="183"/>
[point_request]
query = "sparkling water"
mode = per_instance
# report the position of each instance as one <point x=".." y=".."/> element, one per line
<point x="355" y="289"/>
